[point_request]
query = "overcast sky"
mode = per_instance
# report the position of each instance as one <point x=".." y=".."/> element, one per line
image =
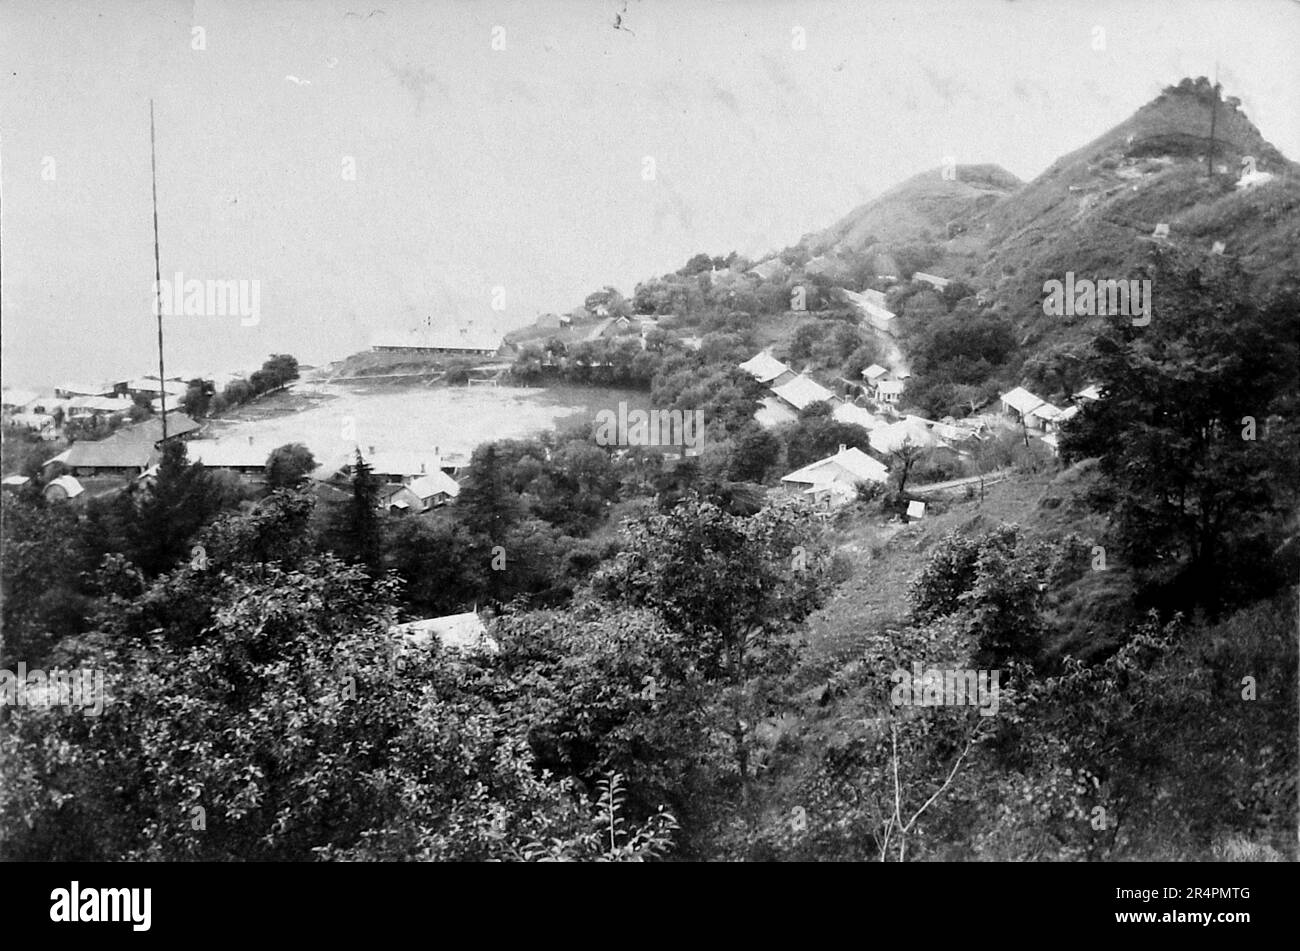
<point x="520" y="167"/>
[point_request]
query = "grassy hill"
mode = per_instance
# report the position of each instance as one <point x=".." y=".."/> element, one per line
<point x="922" y="208"/>
<point x="1093" y="211"/>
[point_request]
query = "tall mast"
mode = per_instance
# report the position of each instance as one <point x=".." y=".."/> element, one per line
<point x="157" y="273"/>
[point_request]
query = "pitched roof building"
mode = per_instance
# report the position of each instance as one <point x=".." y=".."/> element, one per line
<point x="849" y="466"/>
<point x="911" y="431"/>
<point x="129" y="451"/>
<point x="1019" y="402"/>
<point x="871" y="308"/>
<point x="938" y="283"/>
<point x="435" y="488"/>
<point x="467" y="341"/>
<point x="767" y="369"/>
<point x="803" y="391"/>
<point x="64" y="488"/>
<point x="874" y="372"/>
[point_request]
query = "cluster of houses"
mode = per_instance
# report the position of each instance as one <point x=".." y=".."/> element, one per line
<point x="832" y="481"/>
<point x="45" y="414"/>
<point x="791" y="392"/>
<point x="411" y="482"/>
<point x="1042" y="418"/>
<point x="621" y="326"/>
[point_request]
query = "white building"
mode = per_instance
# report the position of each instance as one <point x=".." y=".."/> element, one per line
<point x="803" y="391"/>
<point x="1019" y="403"/>
<point x="835" y="478"/>
<point x="767" y="369"/>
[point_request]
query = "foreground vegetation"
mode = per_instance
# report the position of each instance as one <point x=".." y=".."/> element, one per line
<point x="664" y="686"/>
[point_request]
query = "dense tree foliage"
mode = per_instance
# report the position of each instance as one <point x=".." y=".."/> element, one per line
<point x="1197" y="433"/>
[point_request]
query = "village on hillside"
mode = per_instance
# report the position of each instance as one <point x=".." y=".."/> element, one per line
<point x="792" y="433"/>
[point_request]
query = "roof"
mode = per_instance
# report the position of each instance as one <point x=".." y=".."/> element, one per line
<point x="386" y="493"/>
<point x="848" y="413"/>
<point x="456" y="631"/>
<point x="68" y="484"/>
<point x="15" y="480"/>
<point x="848" y="465"/>
<point x="931" y="279"/>
<point x="86" y="389"/>
<point x="890" y="386"/>
<point x="106" y="404"/>
<point x="803" y="391"/>
<point x="150" y="384"/>
<point x="1067" y="414"/>
<point x="874" y="371"/>
<point x="467" y="338"/>
<point x="1090" y="392"/>
<point x="1021" y="400"/>
<point x="1046" y="411"/>
<point x="911" y="431"/>
<point x="178" y="424"/>
<point x="764" y="367"/>
<point x="878" y="313"/>
<point x="435" y="483"/>
<point x="129" y="447"/>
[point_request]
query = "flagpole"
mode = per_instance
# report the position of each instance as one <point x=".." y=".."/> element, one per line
<point x="157" y="273"/>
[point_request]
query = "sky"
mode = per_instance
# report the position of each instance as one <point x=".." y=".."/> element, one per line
<point x="374" y="164"/>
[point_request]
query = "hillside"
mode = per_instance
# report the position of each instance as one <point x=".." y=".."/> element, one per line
<point x="922" y="208"/>
<point x="1092" y="212"/>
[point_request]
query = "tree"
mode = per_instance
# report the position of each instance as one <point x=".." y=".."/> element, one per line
<point x="994" y="584"/>
<point x="198" y="397"/>
<point x="39" y="565"/>
<point x="296" y="728"/>
<point x="612" y="691"/>
<point x="736" y="587"/>
<point x="289" y="465"/>
<point x="819" y="436"/>
<point x="755" y="454"/>
<point x="486" y="504"/>
<point x="904" y="458"/>
<point x="696" y="265"/>
<point x="179" y="500"/>
<point x="1197" y="435"/>
<point x="444" y="568"/>
<point x="357" y="533"/>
